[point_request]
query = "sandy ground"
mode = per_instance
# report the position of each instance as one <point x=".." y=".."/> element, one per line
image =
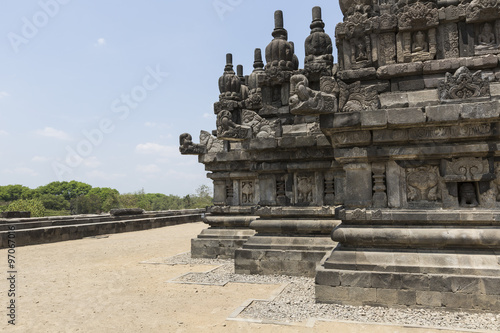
<point x="99" y="285"/>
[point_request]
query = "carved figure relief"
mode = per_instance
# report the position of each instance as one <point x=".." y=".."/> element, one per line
<point x="261" y="128"/>
<point x="486" y="41"/>
<point x="306" y="101"/>
<point x="448" y="41"/>
<point x="419" y="42"/>
<point x="247" y="192"/>
<point x="353" y="97"/>
<point x="187" y="147"/>
<point x="467" y="194"/>
<point x="228" y="130"/>
<point x="464" y="85"/>
<point x="305" y="186"/>
<point x="422" y="183"/>
<point x="212" y="144"/>
<point x="387" y="49"/>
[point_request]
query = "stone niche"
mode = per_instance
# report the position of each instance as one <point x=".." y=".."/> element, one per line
<point x="417" y="36"/>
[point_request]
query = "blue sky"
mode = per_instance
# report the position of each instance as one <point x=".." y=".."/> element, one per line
<point x="99" y="91"/>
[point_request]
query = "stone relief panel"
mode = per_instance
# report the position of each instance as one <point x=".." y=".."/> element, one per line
<point x="482" y="10"/>
<point x="448" y="41"/>
<point x="422" y="184"/>
<point x="247" y="192"/>
<point x="304" y="187"/>
<point x="261" y="128"/>
<point x="386" y="49"/>
<point x="464" y="85"/>
<point x="305" y="101"/>
<point x="467" y="169"/>
<point x="353" y="97"/>
<point x="228" y="130"/>
<point x="212" y="144"/>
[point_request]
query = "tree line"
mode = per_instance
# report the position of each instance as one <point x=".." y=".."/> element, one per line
<point x="65" y="198"/>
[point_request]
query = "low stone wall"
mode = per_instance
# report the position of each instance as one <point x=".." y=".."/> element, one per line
<point x="56" y="229"/>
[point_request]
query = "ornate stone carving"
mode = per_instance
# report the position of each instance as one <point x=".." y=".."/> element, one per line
<point x="353" y="97"/>
<point x="448" y="41"/>
<point x="212" y="144"/>
<point x="318" y="47"/>
<point x="281" y="198"/>
<point x="247" y="192"/>
<point x="329" y="189"/>
<point x="422" y="184"/>
<point x="228" y="130"/>
<point x="279" y="53"/>
<point x="305" y="186"/>
<point x="187" y="147"/>
<point x="387" y="49"/>
<point x="261" y="128"/>
<point x="467" y="169"/>
<point x="306" y="101"/>
<point x="229" y="83"/>
<point x="467" y="195"/>
<point x="379" y="187"/>
<point x="229" y="193"/>
<point x="350" y="138"/>
<point x="497" y="180"/>
<point x="464" y="85"/>
<point x="418" y="15"/>
<point x="482" y="10"/>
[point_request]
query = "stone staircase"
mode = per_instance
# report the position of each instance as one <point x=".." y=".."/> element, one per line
<point x="32" y="231"/>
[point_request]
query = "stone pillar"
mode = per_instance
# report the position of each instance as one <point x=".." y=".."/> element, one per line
<point x="358" y="185"/>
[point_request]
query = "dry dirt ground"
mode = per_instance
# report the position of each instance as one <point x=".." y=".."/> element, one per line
<point x="100" y="285"/>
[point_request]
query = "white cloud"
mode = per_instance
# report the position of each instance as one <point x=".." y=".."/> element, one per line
<point x="157" y="149"/>
<point x="3" y="133"/>
<point x="96" y="174"/>
<point x="40" y="159"/>
<point x="148" y="169"/>
<point x="4" y="94"/>
<point x="100" y="42"/>
<point x="22" y="171"/>
<point x="207" y="115"/>
<point x="50" y="132"/>
<point x="92" y="162"/>
<point x="151" y="124"/>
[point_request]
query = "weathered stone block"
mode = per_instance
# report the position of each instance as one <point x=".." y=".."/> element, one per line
<point x="445" y="112"/>
<point x="362" y="295"/>
<point x="491" y="285"/>
<point x="350" y="119"/>
<point x="328" y="278"/>
<point x="395" y="70"/>
<point x="495" y="89"/>
<point x="374" y="118"/>
<point x="411" y="83"/>
<point x="358" y="74"/>
<point x="415" y="282"/>
<point x="387" y="296"/>
<point x="457" y="301"/>
<point x="355" y="279"/>
<point x="328" y="294"/>
<point x="429" y="298"/>
<point x="423" y="98"/>
<point x="406" y="116"/>
<point x="394" y="100"/>
<point x="480" y="110"/>
<point x="407" y="297"/>
<point x="386" y="280"/>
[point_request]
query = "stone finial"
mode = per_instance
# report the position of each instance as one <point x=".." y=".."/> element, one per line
<point x="229" y="64"/>
<point x="229" y="83"/>
<point x="258" y="63"/>
<point x="317" y="24"/>
<point x="279" y="30"/>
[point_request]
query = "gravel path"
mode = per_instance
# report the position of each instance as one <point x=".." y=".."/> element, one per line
<point x="296" y="302"/>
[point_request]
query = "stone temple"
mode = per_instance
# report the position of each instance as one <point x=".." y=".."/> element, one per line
<point x="378" y="175"/>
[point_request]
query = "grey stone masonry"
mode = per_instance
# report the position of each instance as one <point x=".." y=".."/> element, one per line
<point x="400" y="140"/>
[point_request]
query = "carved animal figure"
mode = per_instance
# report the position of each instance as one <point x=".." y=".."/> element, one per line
<point x="304" y="189"/>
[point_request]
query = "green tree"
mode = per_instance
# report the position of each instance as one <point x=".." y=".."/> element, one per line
<point x="34" y="206"/>
<point x="69" y="190"/>
<point x="15" y="192"/>
<point x="54" y="202"/>
<point x="85" y="204"/>
<point x="108" y="197"/>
